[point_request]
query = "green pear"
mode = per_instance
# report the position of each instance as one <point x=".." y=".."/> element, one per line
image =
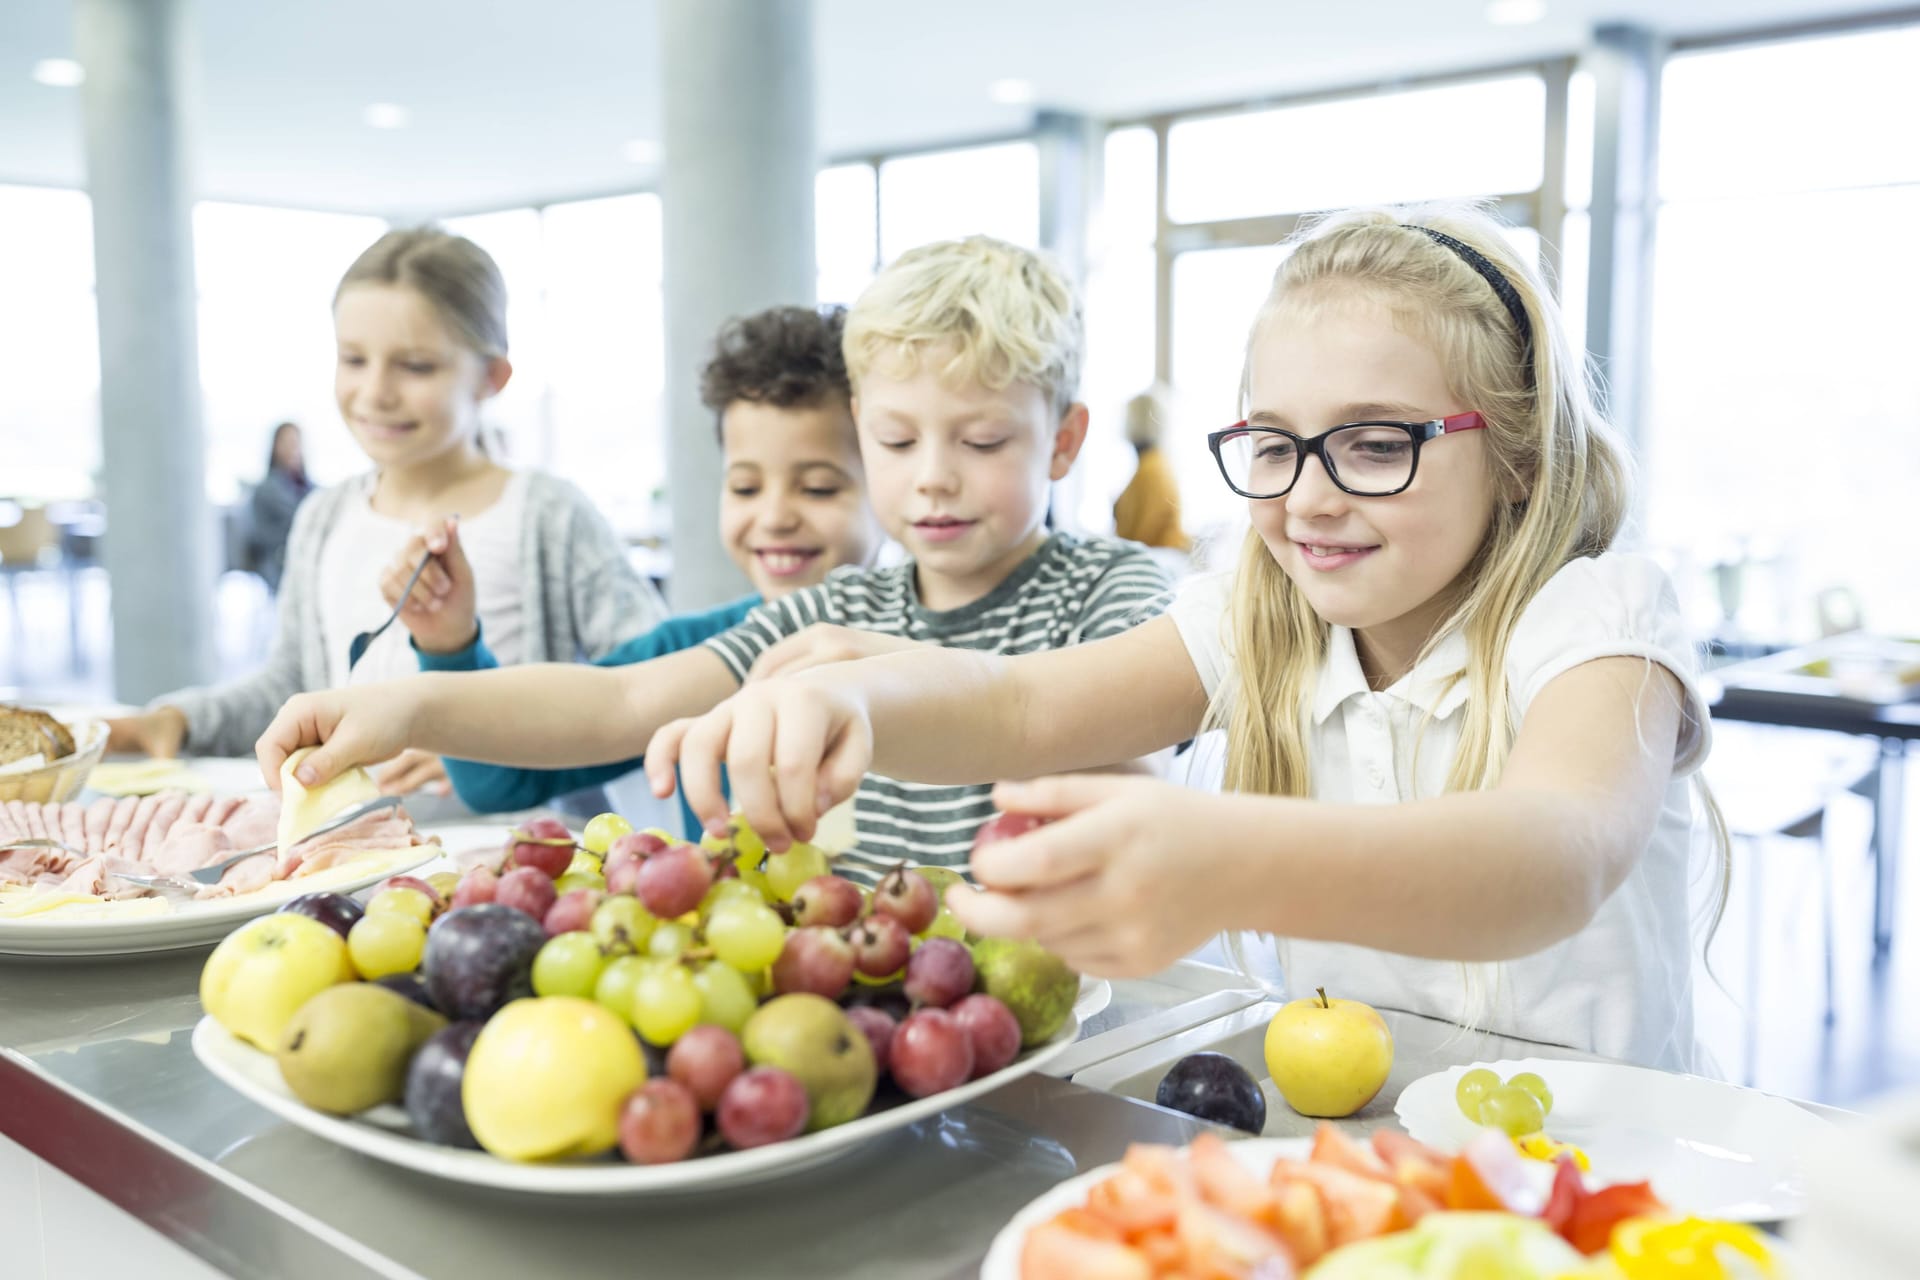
<point x="810" y="1037"/>
<point x="1031" y="981"/>
<point x="348" y="1047"/>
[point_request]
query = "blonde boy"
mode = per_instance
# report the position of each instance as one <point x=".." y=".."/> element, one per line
<point x="965" y="360"/>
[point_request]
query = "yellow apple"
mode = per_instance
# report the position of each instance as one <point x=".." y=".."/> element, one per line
<point x="1327" y="1057"/>
<point x="262" y="972"/>
<point x="546" y="1078"/>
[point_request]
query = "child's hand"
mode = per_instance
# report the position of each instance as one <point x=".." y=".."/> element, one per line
<point x="793" y="750"/>
<point x="414" y="771"/>
<point x="159" y="733"/>
<point x="440" y="610"/>
<point x="1123" y="884"/>
<point x="821" y="643"/>
<point x="358" y="726"/>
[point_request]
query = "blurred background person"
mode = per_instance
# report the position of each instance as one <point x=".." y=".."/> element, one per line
<point x="1148" y="509"/>
<point x="271" y="508"/>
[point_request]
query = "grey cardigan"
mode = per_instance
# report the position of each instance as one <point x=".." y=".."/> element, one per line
<point x="582" y="600"/>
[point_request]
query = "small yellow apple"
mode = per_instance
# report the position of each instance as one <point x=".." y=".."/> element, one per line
<point x="262" y="972"/>
<point x="546" y="1078"/>
<point x="1327" y="1057"/>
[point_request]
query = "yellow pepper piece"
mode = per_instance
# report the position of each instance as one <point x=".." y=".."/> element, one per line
<point x="1538" y="1146"/>
<point x="1685" y="1249"/>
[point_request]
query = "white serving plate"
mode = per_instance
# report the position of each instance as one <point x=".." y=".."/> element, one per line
<point x="138" y="925"/>
<point x="1003" y="1256"/>
<point x="1709" y="1148"/>
<point x="380" y="1133"/>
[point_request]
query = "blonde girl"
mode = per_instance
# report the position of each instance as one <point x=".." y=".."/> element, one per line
<point x="1458" y="726"/>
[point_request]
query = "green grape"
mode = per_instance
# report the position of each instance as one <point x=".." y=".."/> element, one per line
<point x="786" y="872"/>
<point x="583" y="864"/>
<point x="614" y="988"/>
<point x="946" y="925"/>
<point x="602" y="831"/>
<point x="621" y="925"/>
<point x="666" y="1002"/>
<point x="402" y="901"/>
<point x="387" y="942"/>
<point x="1534" y="1085"/>
<point x="670" y="940"/>
<point x="568" y="965"/>
<point x="747" y="840"/>
<point x="745" y="936"/>
<point x="1514" y="1112"/>
<point x="727" y="891"/>
<point x="580" y="880"/>
<point x="1473" y="1090"/>
<point x="727" y="997"/>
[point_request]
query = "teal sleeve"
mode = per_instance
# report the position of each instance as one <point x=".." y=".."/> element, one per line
<point x="497" y="788"/>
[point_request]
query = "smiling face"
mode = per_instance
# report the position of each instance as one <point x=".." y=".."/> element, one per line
<point x="960" y="475"/>
<point x="407" y="388"/>
<point x="1382" y="566"/>
<point x="794" y="502"/>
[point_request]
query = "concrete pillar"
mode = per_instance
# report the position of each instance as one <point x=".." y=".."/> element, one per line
<point x="737" y="197"/>
<point x="160" y="545"/>
<point x="1625" y="62"/>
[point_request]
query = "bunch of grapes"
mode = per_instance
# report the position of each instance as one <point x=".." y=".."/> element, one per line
<point x="1517" y="1108"/>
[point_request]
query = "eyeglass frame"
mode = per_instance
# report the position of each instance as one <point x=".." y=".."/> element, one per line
<point x="1418" y="433"/>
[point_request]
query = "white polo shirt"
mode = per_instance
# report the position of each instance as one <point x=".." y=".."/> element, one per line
<point x="1623" y="985"/>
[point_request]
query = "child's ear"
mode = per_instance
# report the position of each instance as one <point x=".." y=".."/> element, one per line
<point x="1067" y="439"/>
<point x="499" y="372"/>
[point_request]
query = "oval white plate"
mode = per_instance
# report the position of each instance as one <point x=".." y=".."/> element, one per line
<point x="1095" y="995"/>
<point x="380" y="1134"/>
<point x="134" y="927"/>
<point x="1003" y="1256"/>
<point x="1708" y="1147"/>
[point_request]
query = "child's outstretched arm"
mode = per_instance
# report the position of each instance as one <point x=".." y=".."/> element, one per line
<point x="796" y="746"/>
<point x="546" y="714"/>
<point x="1134" y="874"/>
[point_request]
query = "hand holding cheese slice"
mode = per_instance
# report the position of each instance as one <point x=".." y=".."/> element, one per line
<point x="304" y="810"/>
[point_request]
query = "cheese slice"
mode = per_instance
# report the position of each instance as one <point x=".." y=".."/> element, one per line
<point x="304" y="810"/>
<point x="834" y="833"/>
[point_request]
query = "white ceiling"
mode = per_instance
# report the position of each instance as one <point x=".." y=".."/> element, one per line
<point x="512" y="101"/>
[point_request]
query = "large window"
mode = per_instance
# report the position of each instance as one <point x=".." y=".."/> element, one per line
<point x="941" y="195"/>
<point x="1783" y="428"/>
<point x="50" y="397"/>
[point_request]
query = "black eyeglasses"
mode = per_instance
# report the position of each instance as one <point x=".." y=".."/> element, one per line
<point x="1366" y="459"/>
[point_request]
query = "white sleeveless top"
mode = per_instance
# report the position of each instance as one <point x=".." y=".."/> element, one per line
<point x="1622" y="986"/>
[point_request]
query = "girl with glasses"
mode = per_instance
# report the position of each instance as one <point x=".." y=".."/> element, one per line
<point x="1459" y="729"/>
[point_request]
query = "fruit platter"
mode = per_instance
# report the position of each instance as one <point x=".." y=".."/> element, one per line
<point x="626" y="1012"/>
<point x="1392" y="1208"/>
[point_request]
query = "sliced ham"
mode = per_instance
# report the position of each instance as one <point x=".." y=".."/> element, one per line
<point x="117" y="822"/>
<point x="99" y="813"/>
<point x="172" y="804"/>
<point x="387" y="829"/>
<point x="188" y="846"/>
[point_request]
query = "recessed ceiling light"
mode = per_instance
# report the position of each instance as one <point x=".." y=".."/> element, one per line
<point x="61" y="73"/>
<point x="1515" y="13"/>
<point x="641" y="151"/>
<point x="385" y="115"/>
<point x="1011" y="92"/>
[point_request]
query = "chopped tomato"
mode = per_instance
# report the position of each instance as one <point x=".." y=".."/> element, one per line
<point x="1357" y="1208"/>
<point x="1220" y="1246"/>
<point x="1227" y="1184"/>
<point x="1055" y="1250"/>
<point x="1301" y="1217"/>
<point x="1133" y="1204"/>
<point x="1489" y="1174"/>
<point x="1393" y="1147"/>
<point x="1567" y="1194"/>
<point x="1595" y="1217"/>
<point x="1332" y="1147"/>
<point x="1164" y="1168"/>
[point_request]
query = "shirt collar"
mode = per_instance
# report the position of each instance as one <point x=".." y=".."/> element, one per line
<point x="1430" y="686"/>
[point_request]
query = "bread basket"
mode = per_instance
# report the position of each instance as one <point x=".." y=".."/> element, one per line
<point x="60" y="780"/>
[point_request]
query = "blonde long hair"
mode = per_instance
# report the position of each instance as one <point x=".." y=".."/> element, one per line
<point x="1548" y="444"/>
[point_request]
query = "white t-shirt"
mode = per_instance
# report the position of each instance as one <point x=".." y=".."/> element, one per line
<point x="1622" y="986"/>
<point x="357" y="552"/>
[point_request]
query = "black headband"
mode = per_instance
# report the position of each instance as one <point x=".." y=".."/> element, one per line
<point x="1502" y="288"/>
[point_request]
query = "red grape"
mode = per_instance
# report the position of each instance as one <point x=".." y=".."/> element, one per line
<point x="553" y="859"/>
<point x="527" y="889"/>
<point x="706" y="1059"/>
<point x="827" y="900"/>
<point x="637" y="845"/>
<point x="760" y="1106"/>
<point x="816" y="959"/>
<point x="878" y="1028"/>
<point x="907" y="897"/>
<point x="572" y="911"/>
<point x="659" y="1123"/>
<point x="939" y="972"/>
<point x="1005" y="826"/>
<point x="622" y="874"/>
<point x="930" y="1053"/>
<point x="880" y="945"/>
<point x="672" y="882"/>
<point x="992" y="1031"/>
<point x="476" y="887"/>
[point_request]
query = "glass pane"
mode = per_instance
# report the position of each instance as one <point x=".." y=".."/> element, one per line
<point x="1576" y="240"/>
<point x="1775" y="433"/>
<point x="945" y="195"/>
<point x="1216" y="294"/>
<point x="846" y="239"/>
<point x="513" y="239"/>
<point x="1580" y="124"/>
<point x="1120" y="331"/>
<point x="1480" y="138"/>
<point x="50" y="396"/>
<point x="1127" y="214"/>
<point x="1799" y="115"/>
